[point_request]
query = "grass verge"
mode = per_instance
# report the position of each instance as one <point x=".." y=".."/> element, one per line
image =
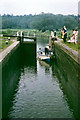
<point x="72" y="45"/>
<point x="3" y="44"/>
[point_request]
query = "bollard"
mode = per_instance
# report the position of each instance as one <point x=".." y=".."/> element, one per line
<point x="21" y="33"/>
<point x="17" y="34"/>
<point x="34" y="34"/>
<point x="6" y="42"/>
<point x="28" y="34"/>
<point x="8" y="38"/>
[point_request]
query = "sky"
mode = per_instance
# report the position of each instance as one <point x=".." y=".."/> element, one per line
<point x="21" y="7"/>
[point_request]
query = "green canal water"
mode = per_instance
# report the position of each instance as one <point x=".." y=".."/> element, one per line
<point x="35" y="89"/>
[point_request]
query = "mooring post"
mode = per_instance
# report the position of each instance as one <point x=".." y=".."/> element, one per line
<point x="34" y="34"/>
<point x="34" y="37"/>
<point x="17" y="34"/>
<point x="18" y="37"/>
<point x="21" y="33"/>
<point x="28" y="34"/>
<point x="22" y="36"/>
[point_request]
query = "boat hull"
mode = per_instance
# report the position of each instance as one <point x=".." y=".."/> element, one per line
<point x="44" y="58"/>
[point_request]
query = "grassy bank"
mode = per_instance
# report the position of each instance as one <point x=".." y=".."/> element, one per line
<point x="72" y="45"/>
<point x="3" y="44"/>
<point x="29" y="32"/>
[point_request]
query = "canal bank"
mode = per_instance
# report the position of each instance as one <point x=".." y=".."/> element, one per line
<point x="70" y="61"/>
<point x="8" y="51"/>
<point x="67" y="71"/>
<point x="4" y="59"/>
<point x="69" y="51"/>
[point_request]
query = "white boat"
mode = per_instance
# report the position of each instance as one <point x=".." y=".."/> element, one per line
<point x="44" y="55"/>
<point x="44" y="58"/>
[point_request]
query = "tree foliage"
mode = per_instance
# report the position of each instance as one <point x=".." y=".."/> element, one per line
<point x="41" y="22"/>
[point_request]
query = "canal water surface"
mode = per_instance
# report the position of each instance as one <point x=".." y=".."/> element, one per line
<point x="36" y="89"/>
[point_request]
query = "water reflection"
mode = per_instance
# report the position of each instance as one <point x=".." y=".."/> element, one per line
<point x="42" y="42"/>
<point x="67" y="73"/>
<point x="28" y="55"/>
<point x="13" y="68"/>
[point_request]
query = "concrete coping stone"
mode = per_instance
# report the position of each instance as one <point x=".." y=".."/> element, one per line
<point x="5" y="52"/>
<point x="74" y="54"/>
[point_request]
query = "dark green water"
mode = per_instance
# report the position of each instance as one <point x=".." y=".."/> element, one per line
<point x="34" y="89"/>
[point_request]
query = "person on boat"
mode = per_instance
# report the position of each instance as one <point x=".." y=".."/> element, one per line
<point x="46" y="51"/>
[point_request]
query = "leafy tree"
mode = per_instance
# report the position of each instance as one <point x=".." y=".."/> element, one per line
<point x="41" y="22"/>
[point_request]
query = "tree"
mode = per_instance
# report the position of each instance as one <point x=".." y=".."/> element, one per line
<point x="42" y="21"/>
